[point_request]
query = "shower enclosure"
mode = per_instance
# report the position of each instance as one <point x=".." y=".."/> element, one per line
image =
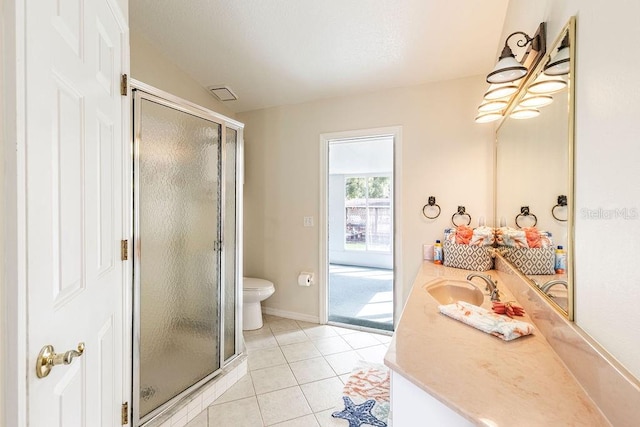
<point x="187" y="215"/>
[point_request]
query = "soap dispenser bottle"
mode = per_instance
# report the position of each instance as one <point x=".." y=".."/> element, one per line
<point x="437" y="253"/>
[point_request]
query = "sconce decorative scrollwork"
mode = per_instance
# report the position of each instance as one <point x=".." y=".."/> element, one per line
<point x="562" y="201"/>
<point x="461" y="212"/>
<point x="431" y="204"/>
<point x="524" y="211"/>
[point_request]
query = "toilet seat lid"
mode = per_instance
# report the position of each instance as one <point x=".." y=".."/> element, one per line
<point x="255" y="283"/>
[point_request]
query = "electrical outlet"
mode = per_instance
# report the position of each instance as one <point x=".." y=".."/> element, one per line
<point x="308" y="221"/>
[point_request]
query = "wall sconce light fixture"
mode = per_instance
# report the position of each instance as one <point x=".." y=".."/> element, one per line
<point x="535" y="101"/>
<point x="508" y="69"/>
<point x="559" y="65"/>
<point x="545" y="85"/>
<point x="509" y="74"/>
<point x="502" y="90"/>
<point x="521" y="113"/>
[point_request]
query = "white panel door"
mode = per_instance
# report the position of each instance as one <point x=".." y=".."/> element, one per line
<point x="74" y="150"/>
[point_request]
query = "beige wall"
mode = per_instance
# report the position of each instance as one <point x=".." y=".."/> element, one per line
<point x="444" y="154"/>
<point x="607" y="163"/>
<point x="150" y="66"/>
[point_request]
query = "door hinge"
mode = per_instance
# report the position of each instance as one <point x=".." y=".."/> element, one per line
<point x="124" y="85"/>
<point x="125" y="413"/>
<point x="124" y="250"/>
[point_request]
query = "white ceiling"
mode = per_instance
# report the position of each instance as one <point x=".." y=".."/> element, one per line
<point x="276" y="52"/>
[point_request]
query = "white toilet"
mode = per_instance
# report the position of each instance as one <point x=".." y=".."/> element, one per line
<point x="253" y="292"/>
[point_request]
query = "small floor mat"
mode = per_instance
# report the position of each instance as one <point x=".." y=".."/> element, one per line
<point x="365" y="397"/>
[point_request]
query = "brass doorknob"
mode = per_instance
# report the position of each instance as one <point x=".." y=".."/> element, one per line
<point x="48" y="358"/>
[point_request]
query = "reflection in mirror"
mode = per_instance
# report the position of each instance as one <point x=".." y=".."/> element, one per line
<point x="534" y="157"/>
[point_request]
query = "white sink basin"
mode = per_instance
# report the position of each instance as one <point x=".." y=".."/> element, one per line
<point x="448" y="291"/>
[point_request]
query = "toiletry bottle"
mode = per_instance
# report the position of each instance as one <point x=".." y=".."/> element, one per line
<point x="437" y="252"/>
<point x="561" y="260"/>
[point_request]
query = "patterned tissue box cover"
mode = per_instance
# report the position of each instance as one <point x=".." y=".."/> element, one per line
<point x="467" y="257"/>
<point x="531" y="260"/>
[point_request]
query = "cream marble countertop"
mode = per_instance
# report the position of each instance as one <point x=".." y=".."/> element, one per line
<point x="485" y="379"/>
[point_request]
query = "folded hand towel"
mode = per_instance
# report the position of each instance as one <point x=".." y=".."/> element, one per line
<point x="450" y="235"/>
<point x="511" y="237"/>
<point x="533" y="237"/>
<point x="482" y="236"/>
<point x="463" y="235"/>
<point x="545" y="239"/>
<point x="491" y="323"/>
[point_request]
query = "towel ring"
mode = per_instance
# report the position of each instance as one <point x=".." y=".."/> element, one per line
<point x="431" y="203"/>
<point x="562" y="201"/>
<point x="461" y="212"/>
<point x="524" y="211"/>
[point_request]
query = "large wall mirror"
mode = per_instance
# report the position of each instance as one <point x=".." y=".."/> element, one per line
<point x="534" y="164"/>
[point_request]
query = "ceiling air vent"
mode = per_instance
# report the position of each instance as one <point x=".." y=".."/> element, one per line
<point x="223" y="93"/>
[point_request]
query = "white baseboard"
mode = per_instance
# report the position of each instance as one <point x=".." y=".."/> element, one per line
<point x="290" y="315"/>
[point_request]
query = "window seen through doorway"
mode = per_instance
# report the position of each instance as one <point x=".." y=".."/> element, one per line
<point x="368" y="213"/>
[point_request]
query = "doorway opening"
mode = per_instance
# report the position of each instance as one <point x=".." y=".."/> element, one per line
<point x="360" y="237"/>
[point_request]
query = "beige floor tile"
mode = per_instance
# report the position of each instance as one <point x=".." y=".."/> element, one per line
<point x="299" y="351"/>
<point x="239" y="413"/>
<point x="265" y="330"/>
<point x="310" y="370"/>
<point x="199" y="421"/>
<point x="306" y="421"/>
<point x="343" y="363"/>
<point x="331" y="345"/>
<point x="283" y="405"/>
<point x="304" y="325"/>
<point x="240" y="390"/>
<point x="279" y="325"/>
<point x="265" y="357"/>
<point x="345" y="377"/>
<point x="290" y="337"/>
<point x="323" y="394"/>
<point x="325" y="419"/>
<point x="273" y="378"/>
<point x="320" y="331"/>
<point x="268" y="318"/>
<point x="373" y="354"/>
<point x="255" y="342"/>
<point x="361" y="340"/>
<point x="384" y="339"/>
<point x="344" y="331"/>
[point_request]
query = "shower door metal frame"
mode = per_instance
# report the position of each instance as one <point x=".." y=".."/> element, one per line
<point x="139" y="92"/>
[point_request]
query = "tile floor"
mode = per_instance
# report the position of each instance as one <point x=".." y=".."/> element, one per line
<point x="296" y="374"/>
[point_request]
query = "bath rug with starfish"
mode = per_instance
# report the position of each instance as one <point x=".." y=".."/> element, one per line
<point x="365" y="397"/>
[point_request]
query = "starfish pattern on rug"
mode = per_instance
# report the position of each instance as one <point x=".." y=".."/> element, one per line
<point x="358" y="414"/>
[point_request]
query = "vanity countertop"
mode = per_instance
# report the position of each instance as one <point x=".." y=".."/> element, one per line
<point x="483" y="378"/>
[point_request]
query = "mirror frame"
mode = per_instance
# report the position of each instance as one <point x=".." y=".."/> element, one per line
<point x="569" y="28"/>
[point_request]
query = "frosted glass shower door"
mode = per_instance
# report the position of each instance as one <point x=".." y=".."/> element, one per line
<point x="177" y="208"/>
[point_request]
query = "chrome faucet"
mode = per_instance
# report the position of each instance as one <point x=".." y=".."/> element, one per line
<point x="548" y="285"/>
<point x="492" y="287"/>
